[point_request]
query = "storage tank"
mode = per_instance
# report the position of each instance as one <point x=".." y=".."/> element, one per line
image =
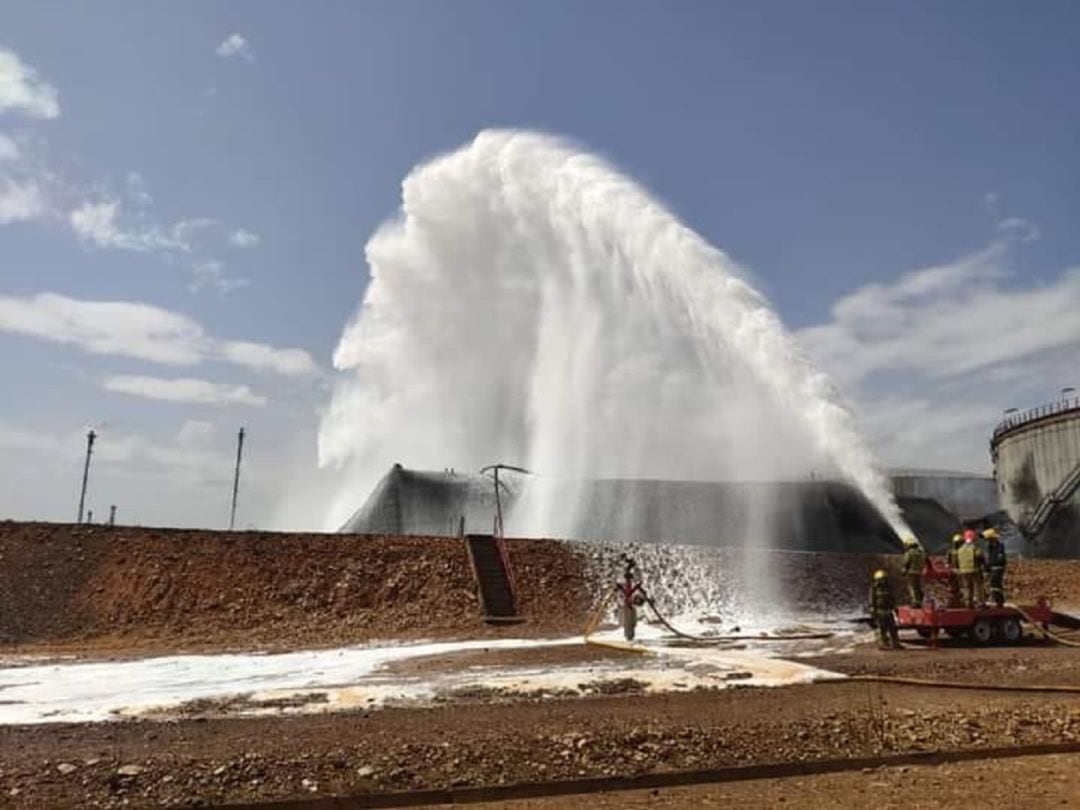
<point x="1036" y="458"/>
<point x="968" y="496"/>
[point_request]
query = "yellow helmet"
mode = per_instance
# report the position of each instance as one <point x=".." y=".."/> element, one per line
<point x="957" y="539"/>
<point x="880" y="574"/>
<point x="991" y="534"/>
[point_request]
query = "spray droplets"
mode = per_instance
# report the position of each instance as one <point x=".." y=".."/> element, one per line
<point x="531" y="304"/>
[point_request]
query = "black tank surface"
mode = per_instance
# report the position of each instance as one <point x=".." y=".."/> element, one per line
<point x="790" y="515"/>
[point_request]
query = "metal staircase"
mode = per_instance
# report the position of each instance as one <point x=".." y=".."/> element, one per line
<point x="494" y="577"/>
<point x="1045" y="508"/>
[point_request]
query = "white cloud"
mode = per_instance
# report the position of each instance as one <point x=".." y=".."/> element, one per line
<point x="1018" y="229"/>
<point x="211" y="273"/>
<point x="243" y="239"/>
<point x="936" y="356"/>
<point x="118" y="328"/>
<point x="22" y="91"/>
<point x="947" y="320"/>
<point x="197" y="433"/>
<point x="184" y="231"/>
<point x="20" y="201"/>
<point x="236" y="45"/>
<point x="137" y="190"/>
<point x="260" y="357"/>
<point x="9" y="150"/>
<point x="140" y="331"/>
<point x="98" y="223"/>
<point x="201" y="392"/>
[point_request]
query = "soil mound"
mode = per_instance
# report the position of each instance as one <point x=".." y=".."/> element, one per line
<point x="203" y="589"/>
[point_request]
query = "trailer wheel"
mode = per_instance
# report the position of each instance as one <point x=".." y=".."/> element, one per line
<point x="982" y="631"/>
<point x="1011" y="630"/>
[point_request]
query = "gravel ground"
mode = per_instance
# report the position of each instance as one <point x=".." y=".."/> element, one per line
<point x="1024" y="783"/>
<point x="490" y="741"/>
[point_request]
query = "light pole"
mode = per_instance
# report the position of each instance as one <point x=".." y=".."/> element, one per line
<point x="90" y="436"/>
<point x="236" y="478"/>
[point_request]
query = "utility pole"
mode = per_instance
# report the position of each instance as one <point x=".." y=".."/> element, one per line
<point x="112" y="515"/>
<point x="236" y="478"/>
<point x="494" y="468"/>
<point x="90" y="436"/>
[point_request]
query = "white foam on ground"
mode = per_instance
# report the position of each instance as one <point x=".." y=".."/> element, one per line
<point x="90" y="692"/>
<point x="356" y="677"/>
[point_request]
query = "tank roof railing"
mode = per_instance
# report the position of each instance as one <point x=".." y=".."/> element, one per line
<point x="1015" y="420"/>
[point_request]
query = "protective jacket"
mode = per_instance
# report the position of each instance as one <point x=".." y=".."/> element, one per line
<point x="881" y="598"/>
<point x="914" y="561"/>
<point x="967" y="559"/>
<point x="995" y="555"/>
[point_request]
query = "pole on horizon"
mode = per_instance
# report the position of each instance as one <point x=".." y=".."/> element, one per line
<point x="236" y="478"/>
<point x="90" y="436"/>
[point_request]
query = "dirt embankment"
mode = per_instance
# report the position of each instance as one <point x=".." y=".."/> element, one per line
<point x="133" y="589"/>
<point x="130" y="590"/>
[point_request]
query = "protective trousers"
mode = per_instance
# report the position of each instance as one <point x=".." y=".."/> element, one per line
<point x="888" y="636"/>
<point x="997" y="586"/>
<point x="973" y="588"/>
<point x="915" y="591"/>
<point x="629" y="621"/>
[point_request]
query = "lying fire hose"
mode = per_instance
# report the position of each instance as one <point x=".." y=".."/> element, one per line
<point x="1042" y="631"/>
<point x="723" y="639"/>
<point x="597" y="617"/>
<point x="991" y="687"/>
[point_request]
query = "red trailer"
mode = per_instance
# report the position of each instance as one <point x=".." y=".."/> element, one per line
<point x="984" y="625"/>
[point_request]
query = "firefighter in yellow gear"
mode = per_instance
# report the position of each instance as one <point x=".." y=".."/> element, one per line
<point x="913" y="566"/>
<point x="970" y="564"/>
<point x="954" y="571"/>
<point x="882" y="606"/>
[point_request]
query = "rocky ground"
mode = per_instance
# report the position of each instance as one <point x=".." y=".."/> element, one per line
<point x="101" y="592"/>
<point x="488" y="741"/>
<point x="1024" y="783"/>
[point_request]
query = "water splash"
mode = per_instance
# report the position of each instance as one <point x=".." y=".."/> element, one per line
<point x="532" y="305"/>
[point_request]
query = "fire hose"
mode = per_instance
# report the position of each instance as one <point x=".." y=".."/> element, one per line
<point x="597" y="617"/>
<point x="1038" y="628"/>
<point x="986" y="687"/>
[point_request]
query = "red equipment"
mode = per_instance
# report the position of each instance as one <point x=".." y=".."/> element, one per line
<point x="984" y="625"/>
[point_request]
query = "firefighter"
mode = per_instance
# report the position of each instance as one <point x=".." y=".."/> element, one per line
<point x="632" y="595"/>
<point x="995" y="562"/>
<point x="914" y="564"/>
<point x="969" y="566"/>
<point x="954" y="571"/>
<point x="882" y="606"/>
<point x="980" y="566"/>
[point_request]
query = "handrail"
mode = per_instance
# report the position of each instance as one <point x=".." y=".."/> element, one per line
<point x="1033" y="414"/>
<point x="1051" y="501"/>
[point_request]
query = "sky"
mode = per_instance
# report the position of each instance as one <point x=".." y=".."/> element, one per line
<point x="186" y="191"/>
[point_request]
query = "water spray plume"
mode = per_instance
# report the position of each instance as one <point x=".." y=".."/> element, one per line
<point x="532" y="304"/>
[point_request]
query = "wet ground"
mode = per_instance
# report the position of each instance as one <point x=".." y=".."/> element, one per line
<point x="371" y="677"/>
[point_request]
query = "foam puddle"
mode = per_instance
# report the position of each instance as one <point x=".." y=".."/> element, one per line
<point x="356" y="677"/>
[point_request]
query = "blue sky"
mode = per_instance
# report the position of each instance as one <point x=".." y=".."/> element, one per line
<point x="225" y="164"/>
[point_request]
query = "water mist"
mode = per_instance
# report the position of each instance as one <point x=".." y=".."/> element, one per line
<point x="532" y="305"/>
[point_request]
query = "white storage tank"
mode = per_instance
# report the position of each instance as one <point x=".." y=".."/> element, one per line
<point x="1036" y="456"/>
